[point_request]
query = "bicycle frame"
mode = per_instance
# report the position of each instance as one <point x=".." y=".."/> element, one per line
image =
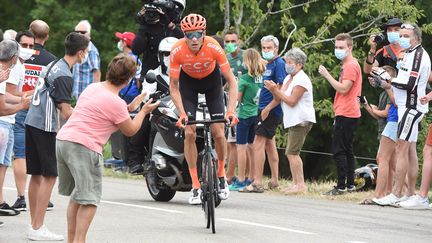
<point x="208" y="175"/>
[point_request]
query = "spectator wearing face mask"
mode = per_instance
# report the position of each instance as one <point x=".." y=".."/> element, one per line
<point x="389" y="54"/>
<point x="9" y="62"/>
<point x="119" y="142"/>
<point x="33" y="68"/>
<point x="269" y="117"/>
<point x="298" y="113"/>
<point x="347" y="112"/>
<point x="234" y="53"/>
<point x="124" y="45"/>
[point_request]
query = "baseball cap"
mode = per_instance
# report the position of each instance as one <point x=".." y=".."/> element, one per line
<point x="391" y="22"/>
<point x="127" y="37"/>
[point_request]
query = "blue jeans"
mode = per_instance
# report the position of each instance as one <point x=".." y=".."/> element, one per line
<point x="6" y="143"/>
<point x="19" y="135"/>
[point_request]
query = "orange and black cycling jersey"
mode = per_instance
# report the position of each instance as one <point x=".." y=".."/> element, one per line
<point x="198" y="65"/>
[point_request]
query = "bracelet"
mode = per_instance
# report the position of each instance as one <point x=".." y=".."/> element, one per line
<point x="370" y="63"/>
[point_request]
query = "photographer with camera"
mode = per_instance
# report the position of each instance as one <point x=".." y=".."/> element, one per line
<point x="388" y="55"/>
<point x="158" y="19"/>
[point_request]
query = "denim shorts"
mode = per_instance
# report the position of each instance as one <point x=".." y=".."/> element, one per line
<point x="390" y="131"/>
<point x="19" y="135"/>
<point x="6" y="143"/>
<point x="246" y="130"/>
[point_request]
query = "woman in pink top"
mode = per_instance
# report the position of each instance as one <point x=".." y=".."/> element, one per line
<point x="98" y="113"/>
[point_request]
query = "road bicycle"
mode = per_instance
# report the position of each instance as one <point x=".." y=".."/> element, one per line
<point x="208" y="178"/>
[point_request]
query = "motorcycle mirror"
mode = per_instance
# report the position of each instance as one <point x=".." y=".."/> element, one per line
<point x="150" y="77"/>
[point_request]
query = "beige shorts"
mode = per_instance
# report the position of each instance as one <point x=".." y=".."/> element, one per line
<point x="79" y="172"/>
<point x="296" y="138"/>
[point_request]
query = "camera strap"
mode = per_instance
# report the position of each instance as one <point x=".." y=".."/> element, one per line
<point x="390" y="51"/>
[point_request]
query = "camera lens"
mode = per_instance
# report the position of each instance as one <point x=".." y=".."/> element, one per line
<point x="379" y="38"/>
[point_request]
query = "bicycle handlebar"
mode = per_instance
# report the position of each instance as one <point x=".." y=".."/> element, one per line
<point x="206" y="122"/>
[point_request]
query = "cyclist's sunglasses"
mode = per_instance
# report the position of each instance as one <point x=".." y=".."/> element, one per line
<point x="407" y="26"/>
<point x="196" y="34"/>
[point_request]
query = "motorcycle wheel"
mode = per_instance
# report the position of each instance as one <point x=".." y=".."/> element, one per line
<point x="160" y="195"/>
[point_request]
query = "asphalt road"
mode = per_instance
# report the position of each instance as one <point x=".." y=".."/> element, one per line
<point x="128" y="214"/>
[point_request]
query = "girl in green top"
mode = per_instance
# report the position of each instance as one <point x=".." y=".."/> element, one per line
<point x="249" y="87"/>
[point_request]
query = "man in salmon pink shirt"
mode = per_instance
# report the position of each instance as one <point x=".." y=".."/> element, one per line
<point x="347" y="112"/>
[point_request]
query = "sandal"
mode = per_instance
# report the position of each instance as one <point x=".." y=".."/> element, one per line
<point x="252" y="188"/>
<point x="294" y="190"/>
<point x="272" y="186"/>
<point x="368" y="201"/>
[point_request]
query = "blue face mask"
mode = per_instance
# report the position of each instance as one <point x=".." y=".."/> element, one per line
<point x="290" y="69"/>
<point x="340" y="54"/>
<point x="404" y="43"/>
<point x="268" y="55"/>
<point x="393" y="37"/>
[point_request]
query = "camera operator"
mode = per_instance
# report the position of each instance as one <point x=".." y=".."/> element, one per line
<point x="388" y="55"/>
<point x="158" y="19"/>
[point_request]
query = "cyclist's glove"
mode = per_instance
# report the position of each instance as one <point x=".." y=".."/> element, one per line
<point x="232" y="118"/>
<point x="181" y="122"/>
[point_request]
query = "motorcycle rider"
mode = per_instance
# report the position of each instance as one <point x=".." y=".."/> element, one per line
<point x="162" y="71"/>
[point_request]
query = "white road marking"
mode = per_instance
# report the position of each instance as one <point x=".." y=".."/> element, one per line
<point x="266" y="226"/>
<point x="125" y="204"/>
<point x="143" y="207"/>
<point x="354" y="241"/>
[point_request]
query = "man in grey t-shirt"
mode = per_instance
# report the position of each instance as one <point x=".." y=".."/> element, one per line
<point x="53" y="91"/>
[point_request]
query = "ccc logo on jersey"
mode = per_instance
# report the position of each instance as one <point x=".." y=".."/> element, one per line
<point x="197" y="65"/>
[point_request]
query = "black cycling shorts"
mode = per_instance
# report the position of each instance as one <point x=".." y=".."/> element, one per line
<point x="211" y="86"/>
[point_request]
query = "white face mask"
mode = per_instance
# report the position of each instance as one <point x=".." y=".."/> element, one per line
<point x="26" y="53"/>
<point x="166" y="61"/>
<point x="119" y="46"/>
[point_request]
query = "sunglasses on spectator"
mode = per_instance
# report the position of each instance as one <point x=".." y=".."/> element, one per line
<point x="407" y="26"/>
<point x="25" y="45"/>
<point x="80" y="32"/>
<point x="197" y="34"/>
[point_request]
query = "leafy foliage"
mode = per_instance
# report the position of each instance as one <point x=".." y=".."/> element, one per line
<point x="315" y="22"/>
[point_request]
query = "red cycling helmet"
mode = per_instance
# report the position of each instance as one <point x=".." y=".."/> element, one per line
<point x="193" y="22"/>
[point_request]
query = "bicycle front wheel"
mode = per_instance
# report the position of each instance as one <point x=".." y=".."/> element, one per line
<point x="209" y="191"/>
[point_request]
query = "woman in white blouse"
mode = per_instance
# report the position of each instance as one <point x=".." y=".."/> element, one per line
<point x="298" y="113"/>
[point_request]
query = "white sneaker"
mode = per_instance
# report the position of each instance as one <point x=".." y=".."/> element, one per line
<point x="404" y="198"/>
<point x="415" y="202"/>
<point x="195" y="197"/>
<point x="430" y="206"/>
<point x="43" y="234"/>
<point x="389" y="200"/>
<point x="224" y="191"/>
